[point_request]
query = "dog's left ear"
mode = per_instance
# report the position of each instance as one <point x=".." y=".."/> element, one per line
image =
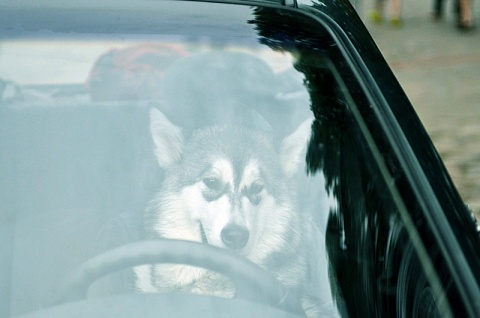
<point x="167" y="137"/>
<point x="293" y="147"/>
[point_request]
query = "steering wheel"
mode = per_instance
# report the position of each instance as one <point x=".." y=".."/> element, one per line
<point x="251" y="282"/>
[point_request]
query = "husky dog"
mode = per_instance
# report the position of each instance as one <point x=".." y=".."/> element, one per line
<point x="228" y="187"/>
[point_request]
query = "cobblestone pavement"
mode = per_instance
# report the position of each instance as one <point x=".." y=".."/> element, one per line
<point x="439" y="68"/>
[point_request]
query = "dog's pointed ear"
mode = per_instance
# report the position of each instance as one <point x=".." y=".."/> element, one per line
<point x="167" y="137"/>
<point x="293" y="147"/>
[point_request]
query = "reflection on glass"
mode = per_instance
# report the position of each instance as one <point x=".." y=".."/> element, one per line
<point x="210" y="142"/>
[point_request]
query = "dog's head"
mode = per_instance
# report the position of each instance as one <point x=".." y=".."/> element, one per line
<point x="228" y="185"/>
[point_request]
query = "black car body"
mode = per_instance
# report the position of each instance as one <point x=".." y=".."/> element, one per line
<point x="76" y="153"/>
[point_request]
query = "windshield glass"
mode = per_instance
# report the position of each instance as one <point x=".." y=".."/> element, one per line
<point x="130" y="137"/>
<point x="127" y="136"/>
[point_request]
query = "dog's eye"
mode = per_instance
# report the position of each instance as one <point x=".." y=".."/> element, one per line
<point x="255" y="188"/>
<point x="253" y="192"/>
<point x="212" y="183"/>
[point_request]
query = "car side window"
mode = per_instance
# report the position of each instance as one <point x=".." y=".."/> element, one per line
<point x="372" y="236"/>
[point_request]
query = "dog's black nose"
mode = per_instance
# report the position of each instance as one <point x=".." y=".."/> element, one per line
<point x="235" y="236"/>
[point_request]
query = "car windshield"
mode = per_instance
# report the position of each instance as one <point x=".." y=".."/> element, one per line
<point x="135" y="131"/>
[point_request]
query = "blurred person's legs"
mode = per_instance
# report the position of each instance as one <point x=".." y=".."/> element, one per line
<point x="376" y="14"/>
<point x="395" y="12"/>
<point x="465" y="15"/>
<point x="437" y="9"/>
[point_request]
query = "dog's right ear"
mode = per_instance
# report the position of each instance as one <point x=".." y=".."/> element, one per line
<point x="167" y="137"/>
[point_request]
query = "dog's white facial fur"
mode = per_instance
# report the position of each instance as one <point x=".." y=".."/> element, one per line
<point x="208" y="202"/>
<point x="221" y="197"/>
<point x="219" y="200"/>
